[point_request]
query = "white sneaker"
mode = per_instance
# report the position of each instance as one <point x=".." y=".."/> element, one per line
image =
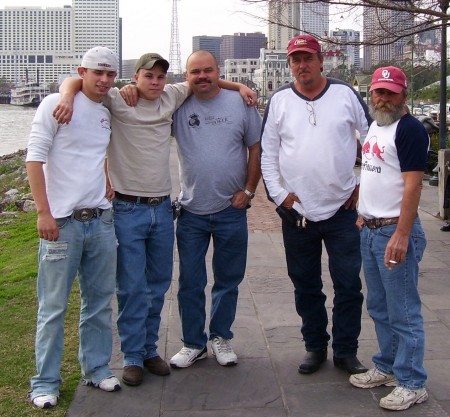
<point x="187" y="356"/>
<point x="223" y="351"/>
<point x="402" y="398"/>
<point x="109" y="384"/>
<point x="373" y="378"/>
<point x="45" y="401"/>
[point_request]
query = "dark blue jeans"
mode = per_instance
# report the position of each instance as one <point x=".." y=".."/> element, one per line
<point x="303" y="255"/>
<point x="228" y="231"/>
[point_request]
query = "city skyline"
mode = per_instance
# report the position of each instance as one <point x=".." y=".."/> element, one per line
<point x="147" y="28"/>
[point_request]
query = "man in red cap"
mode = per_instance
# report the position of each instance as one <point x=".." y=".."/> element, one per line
<point x="308" y="154"/>
<point x="394" y="159"/>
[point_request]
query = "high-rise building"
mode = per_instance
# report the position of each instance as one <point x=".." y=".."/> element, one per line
<point x="383" y="29"/>
<point x="289" y="18"/>
<point x="96" y="23"/>
<point x="207" y="43"/>
<point x="44" y="44"/>
<point x="241" y="45"/>
<point x="348" y="45"/>
<point x="283" y="23"/>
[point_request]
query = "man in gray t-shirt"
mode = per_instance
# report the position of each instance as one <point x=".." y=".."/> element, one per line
<point x="218" y="147"/>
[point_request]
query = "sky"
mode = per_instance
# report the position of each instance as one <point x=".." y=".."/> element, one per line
<point x="147" y="23"/>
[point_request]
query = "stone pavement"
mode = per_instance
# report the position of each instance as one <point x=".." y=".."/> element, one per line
<point x="268" y="342"/>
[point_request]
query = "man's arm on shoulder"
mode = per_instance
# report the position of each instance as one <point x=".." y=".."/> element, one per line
<point x="64" y="108"/>
<point x="248" y="95"/>
<point x="398" y="243"/>
<point x="46" y="224"/>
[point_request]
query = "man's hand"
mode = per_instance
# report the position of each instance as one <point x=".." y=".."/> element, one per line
<point x="110" y="193"/>
<point x="130" y="94"/>
<point x="396" y="249"/>
<point x="240" y="200"/>
<point x="360" y="222"/>
<point x="289" y="201"/>
<point x="64" y="109"/>
<point x="352" y="201"/>
<point x="47" y="227"/>
<point x="248" y="95"/>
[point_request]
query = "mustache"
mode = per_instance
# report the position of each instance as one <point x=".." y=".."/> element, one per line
<point x="382" y="105"/>
<point x="203" y="80"/>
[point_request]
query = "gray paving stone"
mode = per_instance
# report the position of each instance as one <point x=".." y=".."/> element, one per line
<point x="269" y="344"/>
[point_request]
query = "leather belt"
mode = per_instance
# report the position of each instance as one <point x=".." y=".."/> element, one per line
<point x="86" y="214"/>
<point x="151" y="201"/>
<point x="376" y="223"/>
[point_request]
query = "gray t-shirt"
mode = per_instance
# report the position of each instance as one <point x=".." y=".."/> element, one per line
<point x="213" y="137"/>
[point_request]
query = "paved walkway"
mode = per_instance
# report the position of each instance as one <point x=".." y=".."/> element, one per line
<point x="268" y="342"/>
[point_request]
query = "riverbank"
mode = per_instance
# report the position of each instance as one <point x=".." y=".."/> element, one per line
<point x="14" y="188"/>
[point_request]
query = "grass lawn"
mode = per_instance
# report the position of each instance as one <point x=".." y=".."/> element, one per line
<point x="18" y="308"/>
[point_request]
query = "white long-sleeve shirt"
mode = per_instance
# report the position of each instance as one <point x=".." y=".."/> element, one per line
<point x="313" y="161"/>
<point x="73" y="154"/>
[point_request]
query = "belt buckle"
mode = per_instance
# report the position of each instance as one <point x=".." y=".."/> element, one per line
<point x="84" y="215"/>
<point x="154" y="201"/>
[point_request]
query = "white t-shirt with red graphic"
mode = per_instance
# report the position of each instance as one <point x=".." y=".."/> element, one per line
<point x="386" y="153"/>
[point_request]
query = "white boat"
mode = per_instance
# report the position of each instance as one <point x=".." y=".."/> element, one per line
<point x="28" y="94"/>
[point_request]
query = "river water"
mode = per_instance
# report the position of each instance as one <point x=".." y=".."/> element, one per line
<point x="15" y="127"/>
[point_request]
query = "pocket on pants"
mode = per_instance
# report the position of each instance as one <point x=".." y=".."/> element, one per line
<point x="107" y="217"/>
<point x="123" y="207"/>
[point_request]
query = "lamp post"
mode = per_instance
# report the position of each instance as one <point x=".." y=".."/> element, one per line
<point x="411" y="42"/>
<point x="443" y="94"/>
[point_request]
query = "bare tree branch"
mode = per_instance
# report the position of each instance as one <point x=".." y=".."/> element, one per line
<point x="422" y="16"/>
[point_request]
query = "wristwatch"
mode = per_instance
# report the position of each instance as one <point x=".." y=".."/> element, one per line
<point x="249" y="193"/>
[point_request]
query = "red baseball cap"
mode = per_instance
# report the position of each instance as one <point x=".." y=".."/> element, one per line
<point x="390" y="78"/>
<point x="303" y="43"/>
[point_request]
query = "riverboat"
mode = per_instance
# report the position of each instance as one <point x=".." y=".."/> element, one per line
<point x="28" y="94"/>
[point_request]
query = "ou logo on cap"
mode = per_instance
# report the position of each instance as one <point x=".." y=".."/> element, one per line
<point x="385" y="74"/>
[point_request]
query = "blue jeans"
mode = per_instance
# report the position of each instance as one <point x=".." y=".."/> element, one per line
<point x="144" y="273"/>
<point x="228" y="230"/>
<point x="393" y="302"/>
<point x="89" y="250"/>
<point x="303" y="249"/>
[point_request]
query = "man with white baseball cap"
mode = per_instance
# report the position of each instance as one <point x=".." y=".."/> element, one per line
<point x="100" y="58"/>
<point x="65" y="165"/>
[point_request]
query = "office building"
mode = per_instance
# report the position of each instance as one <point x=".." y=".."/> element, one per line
<point x="207" y="43"/>
<point x="289" y="18"/>
<point x="96" y="23"/>
<point x="382" y="29"/>
<point x="241" y="70"/>
<point x="45" y="44"/>
<point x="273" y="72"/>
<point x="347" y="40"/>
<point x="241" y="46"/>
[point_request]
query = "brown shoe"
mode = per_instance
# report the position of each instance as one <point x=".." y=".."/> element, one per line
<point x="157" y="366"/>
<point x="132" y="375"/>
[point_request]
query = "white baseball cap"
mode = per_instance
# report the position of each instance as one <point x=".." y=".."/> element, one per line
<point x="100" y="58"/>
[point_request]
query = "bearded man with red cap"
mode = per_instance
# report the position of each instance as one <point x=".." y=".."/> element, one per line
<point x="394" y="158"/>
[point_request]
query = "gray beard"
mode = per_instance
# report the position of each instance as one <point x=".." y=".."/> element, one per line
<point x="386" y="118"/>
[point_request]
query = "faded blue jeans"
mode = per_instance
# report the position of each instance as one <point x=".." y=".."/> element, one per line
<point x="393" y="302"/>
<point x="89" y="249"/>
<point x="144" y="273"/>
<point x="228" y="231"/>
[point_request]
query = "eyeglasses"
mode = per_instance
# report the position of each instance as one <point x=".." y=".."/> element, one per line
<point x="312" y="114"/>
